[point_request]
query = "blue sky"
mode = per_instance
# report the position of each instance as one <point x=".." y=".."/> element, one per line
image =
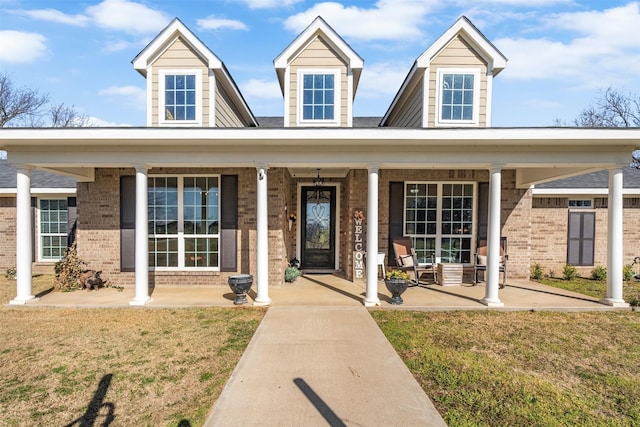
<point x="561" y="52"/>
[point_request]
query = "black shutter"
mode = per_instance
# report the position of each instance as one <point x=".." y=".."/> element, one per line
<point x="483" y="210"/>
<point x="34" y="238"/>
<point x="396" y="215"/>
<point x="581" y="238"/>
<point x="72" y="216"/>
<point x="127" y="222"/>
<point x="229" y="223"/>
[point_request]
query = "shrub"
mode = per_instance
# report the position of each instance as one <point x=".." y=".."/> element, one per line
<point x="599" y="273"/>
<point x="627" y="272"/>
<point x="291" y="273"/>
<point x="68" y="271"/>
<point x="536" y="272"/>
<point x="569" y="272"/>
<point x="11" y="273"/>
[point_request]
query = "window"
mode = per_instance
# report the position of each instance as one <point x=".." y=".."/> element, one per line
<point x="319" y="100"/>
<point x="180" y="96"/>
<point x="184" y="214"/>
<point x="581" y="238"/>
<point x="439" y="218"/>
<point x="585" y="204"/>
<point x="458" y="96"/>
<point x="53" y="229"/>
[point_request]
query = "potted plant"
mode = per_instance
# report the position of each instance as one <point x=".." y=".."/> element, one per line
<point x="397" y="282"/>
<point x="291" y="273"/>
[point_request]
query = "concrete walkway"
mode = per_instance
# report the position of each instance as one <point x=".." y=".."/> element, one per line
<point x="319" y="366"/>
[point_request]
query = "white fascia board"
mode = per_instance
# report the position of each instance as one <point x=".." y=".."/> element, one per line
<point x="21" y="138"/>
<point x="495" y="59"/>
<point x="41" y="191"/>
<point x="175" y="27"/>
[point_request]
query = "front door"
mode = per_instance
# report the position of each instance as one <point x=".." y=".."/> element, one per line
<point x="318" y="228"/>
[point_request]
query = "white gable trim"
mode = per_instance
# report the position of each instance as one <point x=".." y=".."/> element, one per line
<point x="496" y="62"/>
<point x="176" y="28"/>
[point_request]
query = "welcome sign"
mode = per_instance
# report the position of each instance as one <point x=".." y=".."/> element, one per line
<point x="358" y="245"/>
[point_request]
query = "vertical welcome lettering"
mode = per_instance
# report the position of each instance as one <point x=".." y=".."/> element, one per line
<point x="358" y="245"/>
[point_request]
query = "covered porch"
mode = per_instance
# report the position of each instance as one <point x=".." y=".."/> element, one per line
<point x="530" y="156"/>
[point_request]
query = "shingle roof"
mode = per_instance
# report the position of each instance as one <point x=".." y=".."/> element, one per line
<point x="600" y="179"/>
<point x="358" y="122"/>
<point x="39" y="179"/>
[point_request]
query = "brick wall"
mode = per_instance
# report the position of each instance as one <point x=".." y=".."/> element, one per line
<point x="8" y="233"/>
<point x="550" y="217"/>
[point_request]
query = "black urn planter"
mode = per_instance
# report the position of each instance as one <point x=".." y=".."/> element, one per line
<point x="240" y="284"/>
<point x="396" y="287"/>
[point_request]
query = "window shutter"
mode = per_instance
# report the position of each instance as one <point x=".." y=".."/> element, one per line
<point x="34" y="217"/>
<point x="127" y="222"/>
<point x="72" y="216"/>
<point x="483" y="210"/>
<point x="229" y="223"/>
<point x="581" y="238"/>
<point x="396" y="215"/>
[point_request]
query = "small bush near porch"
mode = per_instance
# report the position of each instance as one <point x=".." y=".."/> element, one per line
<point x="523" y="368"/>
<point x="595" y="288"/>
<point x="133" y="366"/>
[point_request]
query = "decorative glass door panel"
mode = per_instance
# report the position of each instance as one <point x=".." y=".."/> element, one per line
<point x="318" y="227"/>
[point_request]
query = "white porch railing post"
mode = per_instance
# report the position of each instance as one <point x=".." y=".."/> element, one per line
<point x="371" y="297"/>
<point x="23" y="237"/>
<point x="491" y="298"/>
<point x="615" y="237"/>
<point x="141" y="238"/>
<point x="262" y="238"/>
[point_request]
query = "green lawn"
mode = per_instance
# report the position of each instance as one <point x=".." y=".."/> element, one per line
<point x="523" y="368"/>
<point x="595" y="288"/>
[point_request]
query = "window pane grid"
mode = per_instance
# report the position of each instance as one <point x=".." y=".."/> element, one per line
<point x="180" y="97"/>
<point x="184" y="222"/>
<point x="439" y="218"/>
<point x="318" y="97"/>
<point x="53" y="229"/>
<point x="457" y="96"/>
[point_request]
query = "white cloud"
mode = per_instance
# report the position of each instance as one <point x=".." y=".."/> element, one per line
<point x="213" y="23"/>
<point x="267" y="4"/>
<point x="263" y="89"/>
<point x="127" y="16"/>
<point x="96" y="122"/>
<point x="382" y="79"/>
<point x="53" y="15"/>
<point x="601" y="49"/>
<point x="133" y="96"/>
<point x="387" y="20"/>
<point x="21" y="47"/>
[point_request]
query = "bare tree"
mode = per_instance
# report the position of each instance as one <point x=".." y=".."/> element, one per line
<point x="612" y="109"/>
<point x="19" y="106"/>
<point x="67" y="117"/>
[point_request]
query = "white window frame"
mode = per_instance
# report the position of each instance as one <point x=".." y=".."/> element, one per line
<point x="162" y="121"/>
<point x="180" y="235"/>
<point x="438" y="236"/>
<point x="580" y="206"/>
<point x="336" y="96"/>
<point x="476" y="97"/>
<point x="41" y="234"/>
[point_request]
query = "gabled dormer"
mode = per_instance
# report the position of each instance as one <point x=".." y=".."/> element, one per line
<point x="450" y="84"/>
<point x="318" y="75"/>
<point x="187" y="84"/>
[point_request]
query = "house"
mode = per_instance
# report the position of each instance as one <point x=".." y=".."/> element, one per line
<point x="207" y="190"/>
<point x="52" y="213"/>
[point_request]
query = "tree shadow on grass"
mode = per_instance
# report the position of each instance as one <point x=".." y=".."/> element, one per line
<point x="97" y="403"/>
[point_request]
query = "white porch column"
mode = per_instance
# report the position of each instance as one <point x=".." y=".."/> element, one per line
<point x="491" y="297"/>
<point x="141" y="238"/>
<point x="262" y="238"/>
<point x="371" y="297"/>
<point x="615" y="241"/>
<point x="23" y="237"/>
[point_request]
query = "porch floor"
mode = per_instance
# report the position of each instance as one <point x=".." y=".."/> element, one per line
<point x="333" y="290"/>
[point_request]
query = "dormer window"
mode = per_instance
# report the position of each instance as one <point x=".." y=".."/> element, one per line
<point x="180" y="97"/>
<point x="458" y="96"/>
<point x="320" y="101"/>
